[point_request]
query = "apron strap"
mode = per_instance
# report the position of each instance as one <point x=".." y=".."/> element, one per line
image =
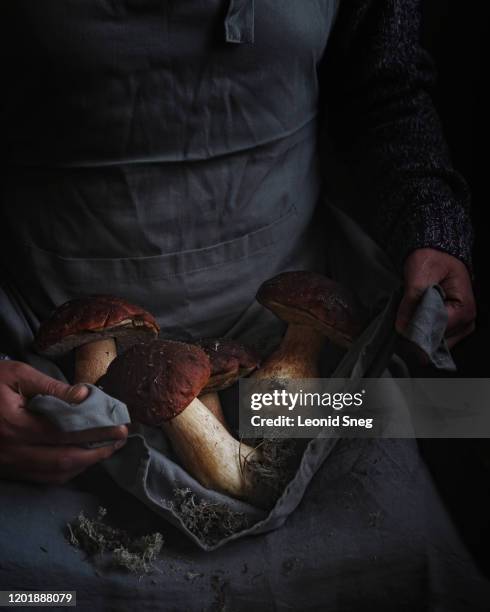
<point x="239" y="22"/>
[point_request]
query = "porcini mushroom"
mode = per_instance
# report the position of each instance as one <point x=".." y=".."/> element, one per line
<point x="230" y="360"/>
<point x="160" y="382"/>
<point x="315" y="307"/>
<point x="91" y="326"/>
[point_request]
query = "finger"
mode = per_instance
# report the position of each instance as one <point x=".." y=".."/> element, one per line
<point x="460" y="302"/>
<point x="407" y="307"/>
<point x="461" y="315"/>
<point x="29" y="428"/>
<point x="35" y="430"/>
<point x="464" y="333"/>
<point x="30" y="382"/>
<point x="100" y="434"/>
<point x="18" y="424"/>
<point x="61" y="460"/>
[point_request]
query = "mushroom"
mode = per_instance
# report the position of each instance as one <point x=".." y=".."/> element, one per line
<point x="230" y="361"/>
<point x="91" y="325"/>
<point x="314" y="307"/>
<point x="160" y="382"/>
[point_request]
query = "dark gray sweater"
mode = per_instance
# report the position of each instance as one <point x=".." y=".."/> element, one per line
<point x="387" y="131"/>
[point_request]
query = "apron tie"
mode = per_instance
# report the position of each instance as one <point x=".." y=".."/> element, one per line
<point x="239" y="22"/>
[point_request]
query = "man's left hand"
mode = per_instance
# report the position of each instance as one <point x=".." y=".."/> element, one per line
<point x="426" y="267"/>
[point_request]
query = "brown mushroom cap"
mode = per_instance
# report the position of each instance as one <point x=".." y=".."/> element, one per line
<point x="308" y="298"/>
<point x="230" y="360"/>
<point x="157" y="380"/>
<point x="92" y="318"/>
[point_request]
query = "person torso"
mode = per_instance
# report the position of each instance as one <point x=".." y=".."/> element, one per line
<point x="147" y="156"/>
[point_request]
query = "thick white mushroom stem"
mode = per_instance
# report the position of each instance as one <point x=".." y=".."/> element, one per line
<point x="212" y="403"/>
<point x="211" y="454"/>
<point x="297" y="355"/>
<point x="93" y="359"/>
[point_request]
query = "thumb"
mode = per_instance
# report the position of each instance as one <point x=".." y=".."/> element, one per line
<point x="76" y="394"/>
<point x="407" y="308"/>
<point x="32" y="382"/>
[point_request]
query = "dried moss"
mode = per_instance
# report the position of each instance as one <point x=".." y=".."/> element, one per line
<point x="97" y="538"/>
<point x="213" y="522"/>
<point x="210" y="522"/>
<point x="277" y="465"/>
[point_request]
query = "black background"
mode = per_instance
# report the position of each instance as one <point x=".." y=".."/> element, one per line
<point x="456" y="34"/>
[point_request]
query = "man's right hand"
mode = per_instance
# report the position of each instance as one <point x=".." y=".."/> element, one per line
<point x="32" y="448"/>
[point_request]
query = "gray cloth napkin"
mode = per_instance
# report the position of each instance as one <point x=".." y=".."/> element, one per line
<point x="427" y="328"/>
<point x="146" y="466"/>
<point x="98" y="410"/>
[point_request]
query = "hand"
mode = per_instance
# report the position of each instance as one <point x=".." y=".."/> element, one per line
<point x="32" y="448"/>
<point x="426" y="267"/>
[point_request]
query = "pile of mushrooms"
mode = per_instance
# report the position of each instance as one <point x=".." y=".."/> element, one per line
<point x="174" y="385"/>
<point x="160" y="382"/>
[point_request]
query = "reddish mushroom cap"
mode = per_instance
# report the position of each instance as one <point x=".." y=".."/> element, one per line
<point x="230" y="360"/>
<point x="308" y="298"/>
<point x="92" y="318"/>
<point x="157" y="380"/>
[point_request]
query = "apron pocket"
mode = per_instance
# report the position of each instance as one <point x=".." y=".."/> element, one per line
<point x="202" y="291"/>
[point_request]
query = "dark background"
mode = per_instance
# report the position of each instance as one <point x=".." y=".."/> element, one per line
<point x="456" y="34"/>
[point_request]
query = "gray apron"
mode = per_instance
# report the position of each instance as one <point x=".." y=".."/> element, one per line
<point x="177" y="170"/>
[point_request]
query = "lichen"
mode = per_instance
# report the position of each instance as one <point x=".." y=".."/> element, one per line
<point x="276" y="464"/>
<point x="97" y="538"/>
<point x="210" y="522"/>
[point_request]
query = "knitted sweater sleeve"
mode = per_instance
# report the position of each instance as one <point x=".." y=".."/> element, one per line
<point x="386" y="131"/>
